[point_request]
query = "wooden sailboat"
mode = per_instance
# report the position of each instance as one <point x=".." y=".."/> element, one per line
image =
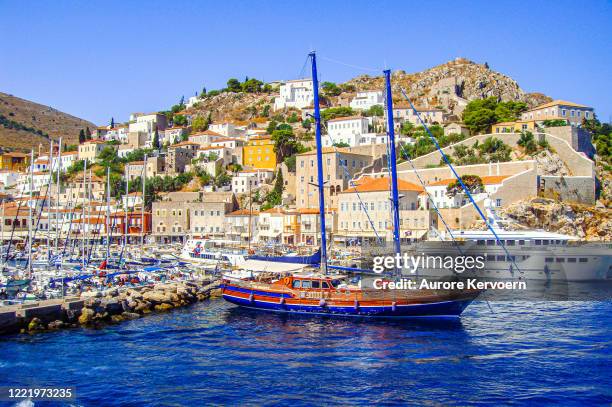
<point x="316" y="291"/>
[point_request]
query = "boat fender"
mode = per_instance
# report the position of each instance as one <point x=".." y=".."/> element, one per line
<point x="322" y="302"/>
<point x="282" y="301"/>
<point x="393" y="306"/>
<point x="356" y="304"/>
<point x="251" y="299"/>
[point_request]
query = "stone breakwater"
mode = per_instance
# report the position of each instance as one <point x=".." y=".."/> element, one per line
<point x="114" y="306"/>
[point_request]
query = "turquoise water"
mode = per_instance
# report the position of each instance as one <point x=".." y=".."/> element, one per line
<point x="214" y="353"/>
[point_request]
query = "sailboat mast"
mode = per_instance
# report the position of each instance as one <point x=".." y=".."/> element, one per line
<point x="30" y="186"/>
<point x="48" y="197"/>
<point x="57" y="194"/>
<point x="317" y="117"/>
<point x="127" y="195"/>
<point x="83" y="213"/>
<point x="142" y="224"/>
<point x="393" y="162"/>
<point x="107" y="213"/>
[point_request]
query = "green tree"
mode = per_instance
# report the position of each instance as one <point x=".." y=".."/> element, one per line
<point x="198" y="124"/>
<point x="266" y="111"/>
<point x="112" y="123"/>
<point x="341" y="144"/>
<point x="285" y="143"/>
<point x="330" y="89"/>
<point x="87" y="133"/>
<point x="376" y="110"/>
<point x="233" y="85"/>
<point x="252" y="85"/>
<point x="156" y="144"/>
<point x="473" y="183"/>
<point x="180" y="120"/>
<point x="82" y="137"/>
<point x="527" y="141"/>
<point x="293" y="118"/>
<point x="336" y="112"/>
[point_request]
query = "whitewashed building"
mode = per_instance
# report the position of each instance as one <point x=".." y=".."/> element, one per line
<point x="227" y="129"/>
<point x="353" y="131"/>
<point x="366" y="99"/>
<point x="297" y="93"/>
<point x="246" y="180"/>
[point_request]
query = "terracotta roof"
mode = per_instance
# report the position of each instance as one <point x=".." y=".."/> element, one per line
<point x="486" y="180"/>
<point x="308" y="211"/>
<point x="16" y="154"/>
<point x="184" y="143"/>
<point x="382" y="184"/>
<point x="264" y="137"/>
<point x="136" y="163"/>
<point x="556" y="103"/>
<point x="274" y="210"/>
<point x="242" y="212"/>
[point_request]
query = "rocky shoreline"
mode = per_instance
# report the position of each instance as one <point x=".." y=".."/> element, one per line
<point x="114" y="307"/>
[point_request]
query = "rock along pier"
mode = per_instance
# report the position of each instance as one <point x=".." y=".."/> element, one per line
<point x="113" y="307"/>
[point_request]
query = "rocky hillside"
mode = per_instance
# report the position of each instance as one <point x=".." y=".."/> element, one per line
<point x="586" y="222"/>
<point x="451" y="85"/>
<point x="25" y="124"/>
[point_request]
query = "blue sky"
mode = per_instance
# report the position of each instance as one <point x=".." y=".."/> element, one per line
<point x="101" y="59"/>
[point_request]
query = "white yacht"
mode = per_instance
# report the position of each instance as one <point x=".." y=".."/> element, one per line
<point x="212" y="252"/>
<point x="530" y="255"/>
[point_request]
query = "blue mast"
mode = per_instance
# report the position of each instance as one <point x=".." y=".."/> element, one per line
<point x="317" y="117"/>
<point x="393" y="162"/>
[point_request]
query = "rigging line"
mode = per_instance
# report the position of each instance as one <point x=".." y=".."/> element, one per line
<point x="352" y="183"/>
<point x="301" y="75"/>
<point x="429" y="199"/>
<point x="363" y="68"/>
<point x="465" y="189"/>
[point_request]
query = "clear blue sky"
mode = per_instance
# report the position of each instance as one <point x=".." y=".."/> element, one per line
<point x="99" y="59"/>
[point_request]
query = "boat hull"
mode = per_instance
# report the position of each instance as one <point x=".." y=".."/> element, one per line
<point x="283" y="303"/>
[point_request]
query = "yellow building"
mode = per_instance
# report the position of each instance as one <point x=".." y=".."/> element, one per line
<point x="259" y="153"/>
<point x="514" y="127"/>
<point x="14" y="161"/>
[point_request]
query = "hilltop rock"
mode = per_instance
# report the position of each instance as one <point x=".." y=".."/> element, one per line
<point x="586" y="222"/>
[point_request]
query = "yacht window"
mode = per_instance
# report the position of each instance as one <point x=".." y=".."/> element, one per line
<point x="511" y="258"/>
<point x="510" y="242"/>
<point x="335" y="283"/>
<point x="490" y="257"/>
<point x="501" y="258"/>
<point x="571" y="260"/>
<point x="481" y="243"/>
<point x="325" y="285"/>
<point x="548" y="260"/>
<point x="558" y="241"/>
<point x="296" y="283"/>
<point x="306" y="284"/>
<point x="316" y="284"/>
<point x="538" y="242"/>
<point x="560" y="260"/>
<point x="490" y="242"/>
<point x="521" y="243"/>
<point x="583" y="260"/>
<point x="546" y="242"/>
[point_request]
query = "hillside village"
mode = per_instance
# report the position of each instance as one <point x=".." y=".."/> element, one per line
<point x="239" y="163"/>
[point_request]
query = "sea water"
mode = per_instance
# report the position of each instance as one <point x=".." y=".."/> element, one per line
<point x="216" y="353"/>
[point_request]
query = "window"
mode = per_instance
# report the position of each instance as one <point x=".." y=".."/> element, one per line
<point x="296" y="283"/>
<point x="571" y="260"/>
<point x="316" y="284"/>
<point x="560" y="260"/>
<point x="306" y="284"/>
<point x="583" y="260"/>
<point x="548" y="260"/>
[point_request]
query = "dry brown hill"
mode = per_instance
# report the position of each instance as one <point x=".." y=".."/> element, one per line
<point x="25" y="124"/>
